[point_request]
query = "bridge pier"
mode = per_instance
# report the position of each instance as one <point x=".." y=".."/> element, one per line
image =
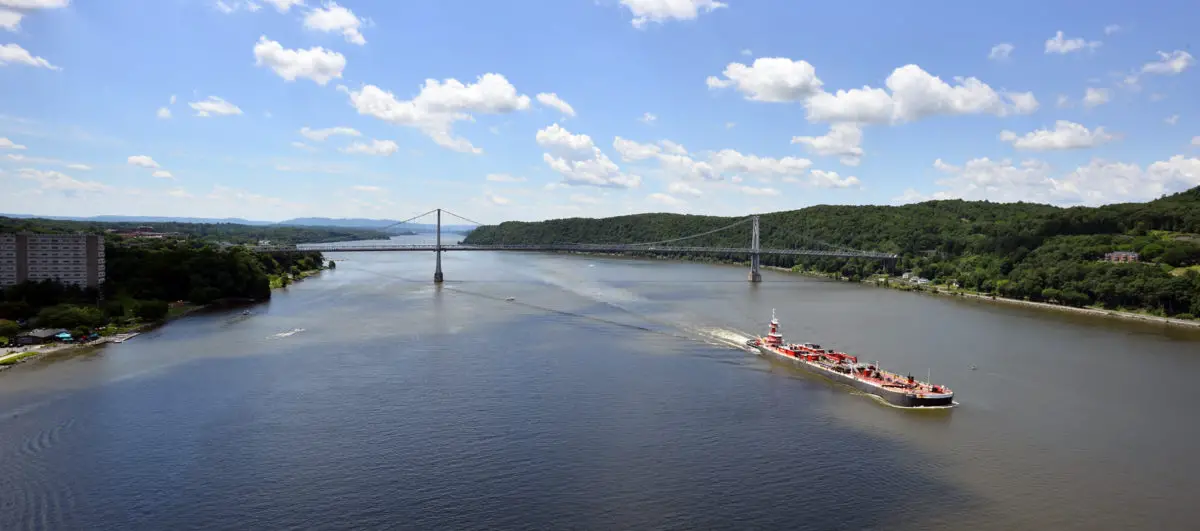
<point x="755" y="257"/>
<point x="437" y="272"/>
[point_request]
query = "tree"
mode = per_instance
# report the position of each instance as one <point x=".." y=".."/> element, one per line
<point x="9" y="328"/>
<point x="151" y="310"/>
<point x="69" y="316"/>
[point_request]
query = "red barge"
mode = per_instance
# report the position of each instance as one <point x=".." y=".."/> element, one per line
<point x="900" y="391"/>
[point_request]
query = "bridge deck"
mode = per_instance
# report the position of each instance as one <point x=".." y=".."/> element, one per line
<point x="358" y="247"/>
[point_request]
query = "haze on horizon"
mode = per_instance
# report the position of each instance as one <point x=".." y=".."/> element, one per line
<point x="277" y="109"/>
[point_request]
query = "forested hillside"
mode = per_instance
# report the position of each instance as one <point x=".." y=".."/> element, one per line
<point x="1020" y="250"/>
<point x="209" y="232"/>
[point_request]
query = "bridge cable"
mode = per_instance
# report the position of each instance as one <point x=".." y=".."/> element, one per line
<point x="407" y="220"/>
<point x="677" y="239"/>
<point x="462" y="218"/>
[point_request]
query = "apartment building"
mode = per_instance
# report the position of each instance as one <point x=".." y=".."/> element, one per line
<point x="68" y="258"/>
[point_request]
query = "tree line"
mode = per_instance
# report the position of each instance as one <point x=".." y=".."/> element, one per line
<point x="210" y="232"/>
<point x="1019" y="250"/>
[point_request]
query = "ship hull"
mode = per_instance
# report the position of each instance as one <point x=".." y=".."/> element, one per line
<point x="893" y="397"/>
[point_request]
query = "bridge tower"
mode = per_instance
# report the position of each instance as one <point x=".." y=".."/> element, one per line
<point x="437" y="273"/>
<point x="755" y="276"/>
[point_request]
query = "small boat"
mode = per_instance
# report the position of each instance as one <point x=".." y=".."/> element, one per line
<point x="510" y="299"/>
<point x="245" y="312"/>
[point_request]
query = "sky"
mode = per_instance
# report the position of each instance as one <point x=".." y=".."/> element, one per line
<point x="540" y="109"/>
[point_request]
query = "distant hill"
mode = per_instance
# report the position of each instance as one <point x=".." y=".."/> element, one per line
<point x="362" y="223"/>
<point x="141" y="219"/>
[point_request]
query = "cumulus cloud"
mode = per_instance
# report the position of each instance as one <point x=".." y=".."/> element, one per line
<point x="660" y="11"/>
<point x="1111" y="29"/>
<point x="143" y="161"/>
<point x="1098" y="182"/>
<point x="10" y="20"/>
<point x="680" y="187"/>
<point x="497" y="200"/>
<point x="1196" y="141"/>
<point x="1096" y="96"/>
<point x="1065" y="135"/>
<point x="162" y="174"/>
<point x="319" y="135"/>
<point x="1168" y="64"/>
<point x="750" y="190"/>
<point x="770" y="79"/>
<point x="333" y="18"/>
<point x="1001" y="51"/>
<point x="12" y="11"/>
<point x="504" y="178"/>
<point x="1060" y="45"/>
<point x="5" y="143"/>
<point x="317" y="63"/>
<point x="60" y="182"/>
<point x="163" y="113"/>
<point x="439" y="104"/>
<point x="844" y="140"/>
<point x="632" y="151"/>
<point x="550" y="99"/>
<point x="731" y="161"/>
<point x="14" y="54"/>
<point x="375" y="147"/>
<point x="830" y="179"/>
<point x="1172" y="119"/>
<point x="579" y="161"/>
<point x="367" y="188"/>
<point x="284" y="5"/>
<point x="214" y="106"/>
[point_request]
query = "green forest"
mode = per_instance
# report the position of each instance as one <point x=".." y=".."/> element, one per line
<point x="1018" y="250"/>
<point x="209" y="232"/>
<point x="141" y="281"/>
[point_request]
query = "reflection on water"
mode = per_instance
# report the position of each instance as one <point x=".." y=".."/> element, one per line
<point x="555" y="391"/>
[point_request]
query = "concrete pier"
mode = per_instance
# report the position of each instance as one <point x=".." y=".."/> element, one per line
<point x="437" y="272"/>
<point x="755" y="257"/>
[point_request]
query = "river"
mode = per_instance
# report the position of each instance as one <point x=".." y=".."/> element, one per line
<point x="605" y="395"/>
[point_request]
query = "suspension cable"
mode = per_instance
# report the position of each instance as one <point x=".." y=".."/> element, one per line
<point x="462" y="218"/>
<point x="408" y="220"/>
<point x="739" y="222"/>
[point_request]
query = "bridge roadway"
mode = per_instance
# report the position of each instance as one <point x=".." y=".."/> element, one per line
<point x="585" y="248"/>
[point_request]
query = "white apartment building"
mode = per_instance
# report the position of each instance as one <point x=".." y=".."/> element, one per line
<point x="67" y="258"/>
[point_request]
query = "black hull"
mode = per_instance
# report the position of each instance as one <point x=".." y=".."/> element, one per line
<point x="893" y="397"/>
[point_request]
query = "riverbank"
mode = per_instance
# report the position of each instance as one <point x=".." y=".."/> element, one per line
<point x="12" y="356"/>
<point x="945" y="290"/>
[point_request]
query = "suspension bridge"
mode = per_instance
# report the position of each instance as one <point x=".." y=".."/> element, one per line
<point x="754" y="251"/>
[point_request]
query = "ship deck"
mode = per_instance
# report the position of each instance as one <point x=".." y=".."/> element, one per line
<point x="890" y="380"/>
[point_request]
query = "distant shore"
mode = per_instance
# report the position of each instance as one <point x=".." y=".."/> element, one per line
<point x="12" y="356"/>
<point x="1004" y="300"/>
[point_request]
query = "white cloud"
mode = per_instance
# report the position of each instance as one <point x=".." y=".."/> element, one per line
<point x="631" y="151"/>
<point x="179" y="193"/>
<point x="916" y="94"/>
<point x="163" y="113"/>
<point x="5" y="143"/>
<point x="1157" y="97"/>
<point x="1060" y="45"/>
<point x="771" y="79"/>
<point x="367" y="188"/>
<point x="440" y="104"/>
<point x="162" y="174"/>
<point x="750" y="190"/>
<point x="552" y="100"/>
<point x="659" y="197"/>
<point x="557" y="139"/>
<point x="680" y="187"/>
<point x="229" y="6"/>
<point x="830" y="179"/>
<point x="319" y="135"/>
<point x="1196" y="141"/>
<point x="42" y="160"/>
<point x="1063" y="101"/>
<point x="335" y="18"/>
<point x="648" y="118"/>
<point x="746" y="52"/>
<point x="284" y="5"/>
<point x="1169" y="63"/>
<point x="497" y="200"/>
<point x="10" y="20"/>
<point x="1098" y="182"/>
<point x="1066" y="135"/>
<point x="1096" y="96"/>
<point x="35" y="4"/>
<point x="14" y="54"/>
<point x="730" y="161"/>
<point x="579" y="161"/>
<point x="660" y="11"/>
<point x="317" y="63"/>
<point x="172" y="99"/>
<point x="376" y="147"/>
<point x="685" y="167"/>
<point x="302" y="145"/>
<point x="504" y="178"/>
<point x="843" y="140"/>
<point x="60" y="182"/>
<point x="1111" y="29"/>
<point x="735" y="179"/>
<point x="730" y="125"/>
<point x="214" y="105"/>
<point x="81" y="167"/>
<point x="1172" y="119"/>
<point x="1001" y="51"/>
<point x="143" y="161"/>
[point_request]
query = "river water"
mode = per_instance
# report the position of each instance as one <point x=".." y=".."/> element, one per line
<point x="606" y="395"/>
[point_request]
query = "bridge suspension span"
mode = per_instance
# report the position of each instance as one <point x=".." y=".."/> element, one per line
<point x="754" y="251"/>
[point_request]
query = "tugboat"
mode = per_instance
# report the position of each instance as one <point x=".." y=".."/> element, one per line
<point x="900" y="391"/>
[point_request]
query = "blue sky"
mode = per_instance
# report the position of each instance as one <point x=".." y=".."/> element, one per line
<point x="536" y="109"/>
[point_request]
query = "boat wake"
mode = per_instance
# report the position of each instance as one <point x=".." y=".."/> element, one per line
<point x="724" y="337"/>
<point x="289" y="333"/>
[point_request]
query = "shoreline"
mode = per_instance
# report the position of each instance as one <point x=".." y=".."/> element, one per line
<point x="36" y="352"/>
<point x="1095" y="312"/>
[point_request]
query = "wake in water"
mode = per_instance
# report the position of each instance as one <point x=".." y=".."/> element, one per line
<point x="724" y="337"/>
<point x="289" y="333"/>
